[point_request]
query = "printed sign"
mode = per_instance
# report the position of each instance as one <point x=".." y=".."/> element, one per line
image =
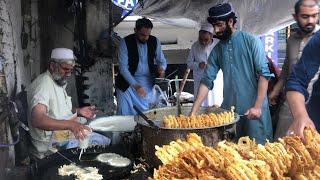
<point x="125" y="4"/>
<point x="270" y="42"/>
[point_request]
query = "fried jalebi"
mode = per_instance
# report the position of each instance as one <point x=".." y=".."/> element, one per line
<point x="286" y="159"/>
<point x="198" y="121"/>
<point x="312" y="141"/>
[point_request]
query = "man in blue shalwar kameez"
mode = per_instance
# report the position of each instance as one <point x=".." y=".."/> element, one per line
<point x="245" y="74"/>
<point x="140" y="61"/>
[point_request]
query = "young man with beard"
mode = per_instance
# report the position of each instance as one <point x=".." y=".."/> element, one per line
<point x="141" y="60"/>
<point x="50" y="106"/>
<point x="197" y="60"/>
<point x="242" y="60"/>
<point x="306" y="16"/>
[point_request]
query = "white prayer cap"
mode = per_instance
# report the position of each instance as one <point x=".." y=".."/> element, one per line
<point x="207" y="27"/>
<point x="62" y="55"/>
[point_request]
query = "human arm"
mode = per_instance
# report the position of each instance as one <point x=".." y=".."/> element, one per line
<point x="255" y="111"/>
<point x="279" y="86"/>
<point x="191" y="63"/>
<point x="300" y="86"/>
<point x="263" y="75"/>
<point x="300" y="115"/>
<point x="206" y="84"/>
<point x="202" y="94"/>
<point x="275" y="92"/>
<point x="87" y="111"/>
<point x="40" y="119"/>
<point x="124" y="64"/>
<point x="160" y="60"/>
<point x="124" y="69"/>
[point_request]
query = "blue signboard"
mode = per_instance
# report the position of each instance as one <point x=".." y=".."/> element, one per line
<point x="125" y="4"/>
<point x="270" y="42"/>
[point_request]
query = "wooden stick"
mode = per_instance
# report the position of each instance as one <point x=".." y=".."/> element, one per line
<point x="185" y="77"/>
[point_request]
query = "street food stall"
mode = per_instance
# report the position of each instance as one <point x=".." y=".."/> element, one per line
<point x="165" y="142"/>
<point x="137" y="143"/>
<point x="196" y="147"/>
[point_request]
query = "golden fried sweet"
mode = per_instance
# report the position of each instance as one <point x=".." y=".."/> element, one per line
<point x="287" y="159"/>
<point x="312" y="141"/>
<point x="198" y="121"/>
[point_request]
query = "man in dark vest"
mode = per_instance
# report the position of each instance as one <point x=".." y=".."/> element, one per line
<point x="140" y="61"/>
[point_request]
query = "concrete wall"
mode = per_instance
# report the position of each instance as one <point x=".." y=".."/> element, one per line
<point x="100" y="84"/>
<point x="100" y="77"/>
<point x="97" y="19"/>
<point x="20" y="64"/>
<point x="10" y="48"/>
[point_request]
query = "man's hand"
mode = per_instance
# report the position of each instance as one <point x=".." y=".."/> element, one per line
<point x="275" y="92"/>
<point x="253" y="113"/>
<point x="192" y="113"/>
<point x="87" y="112"/>
<point x="298" y="126"/>
<point x="141" y="92"/>
<point x="202" y="65"/>
<point x="273" y="97"/>
<point x="161" y="73"/>
<point x="80" y="131"/>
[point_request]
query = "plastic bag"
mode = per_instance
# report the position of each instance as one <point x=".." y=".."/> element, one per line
<point x="157" y="98"/>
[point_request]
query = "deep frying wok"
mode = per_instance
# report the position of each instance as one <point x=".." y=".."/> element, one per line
<point x="151" y="137"/>
<point x="47" y="168"/>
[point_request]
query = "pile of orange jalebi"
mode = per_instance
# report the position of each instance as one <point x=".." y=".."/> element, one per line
<point x="285" y="159"/>
<point x="199" y="121"/>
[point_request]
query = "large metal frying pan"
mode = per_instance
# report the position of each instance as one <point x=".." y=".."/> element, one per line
<point x="162" y="136"/>
<point x="47" y="168"/>
<point x="156" y="115"/>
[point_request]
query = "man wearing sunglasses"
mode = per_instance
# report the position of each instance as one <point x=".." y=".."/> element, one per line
<point x="50" y="106"/>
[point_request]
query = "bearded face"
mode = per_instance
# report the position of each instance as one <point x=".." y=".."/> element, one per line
<point x="59" y="79"/>
<point x="308" y="16"/>
<point x="61" y="72"/>
<point x="222" y="30"/>
<point x="205" y="38"/>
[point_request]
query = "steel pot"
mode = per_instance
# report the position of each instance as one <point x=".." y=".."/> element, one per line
<point x="151" y="137"/>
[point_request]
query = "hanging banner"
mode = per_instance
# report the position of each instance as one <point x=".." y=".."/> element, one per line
<point x="270" y="42"/>
<point x="125" y="4"/>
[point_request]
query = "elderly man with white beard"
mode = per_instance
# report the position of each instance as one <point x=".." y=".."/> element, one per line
<point x="50" y="107"/>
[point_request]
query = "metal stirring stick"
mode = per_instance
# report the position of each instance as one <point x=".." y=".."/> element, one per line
<point x="178" y="96"/>
<point x="54" y="150"/>
<point x="65" y="157"/>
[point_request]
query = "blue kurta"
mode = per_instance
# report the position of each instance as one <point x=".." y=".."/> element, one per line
<point x="242" y="60"/>
<point x="130" y="97"/>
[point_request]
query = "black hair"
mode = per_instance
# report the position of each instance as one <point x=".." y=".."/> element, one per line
<point x="143" y="23"/>
<point x="232" y="16"/>
<point x="300" y="3"/>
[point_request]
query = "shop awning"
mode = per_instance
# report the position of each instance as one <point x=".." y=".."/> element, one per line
<point x="254" y="16"/>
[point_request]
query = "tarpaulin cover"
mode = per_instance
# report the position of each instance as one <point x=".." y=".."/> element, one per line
<point x="254" y="16"/>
